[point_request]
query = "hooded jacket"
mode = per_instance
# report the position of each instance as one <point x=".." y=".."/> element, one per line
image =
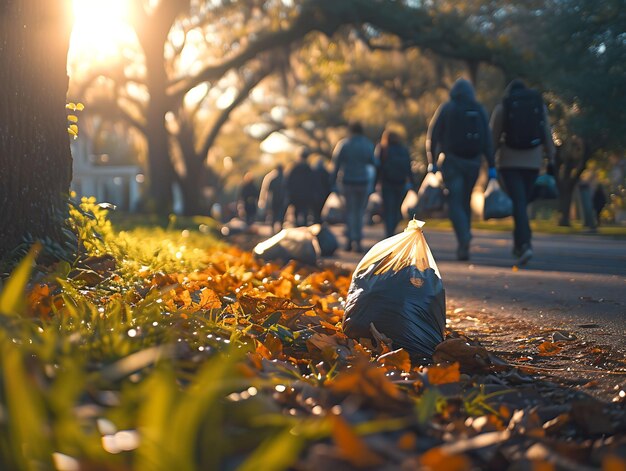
<point x="461" y="92"/>
<point x="507" y="157"/>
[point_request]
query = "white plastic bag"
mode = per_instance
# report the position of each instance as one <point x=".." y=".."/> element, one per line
<point x="334" y="210"/>
<point x="409" y="204"/>
<point x="397" y="289"/>
<point x="297" y="243"/>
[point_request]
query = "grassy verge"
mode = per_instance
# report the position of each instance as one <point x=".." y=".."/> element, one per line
<point x="538" y="226"/>
<point x="160" y="348"/>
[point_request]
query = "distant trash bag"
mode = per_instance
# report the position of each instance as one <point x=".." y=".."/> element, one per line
<point x="234" y="226"/>
<point x="297" y="243"/>
<point x="327" y="241"/>
<point x="545" y="188"/>
<point x="430" y="197"/>
<point x="409" y="204"/>
<point x="497" y="203"/>
<point x="334" y="210"/>
<point x="374" y="208"/>
<point x="397" y="289"/>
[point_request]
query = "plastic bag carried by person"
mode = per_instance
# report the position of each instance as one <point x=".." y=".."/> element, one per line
<point x="497" y="203"/>
<point x="430" y="196"/>
<point x="374" y="208"/>
<point x="397" y="290"/>
<point x="409" y="204"/>
<point x="545" y="188"/>
<point x="334" y="211"/>
<point x="294" y="243"/>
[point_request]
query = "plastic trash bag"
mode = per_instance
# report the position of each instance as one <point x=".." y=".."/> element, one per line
<point x="545" y="188"/>
<point x="409" y="204"/>
<point x="430" y="196"/>
<point x="234" y="226"/>
<point x="297" y="243"/>
<point x="325" y="238"/>
<point x="334" y="210"/>
<point x="397" y="288"/>
<point x="374" y="208"/>
<point x="497" y="203"/>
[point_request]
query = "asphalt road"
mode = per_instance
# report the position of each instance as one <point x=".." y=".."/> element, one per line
<point x="575" y="283"/>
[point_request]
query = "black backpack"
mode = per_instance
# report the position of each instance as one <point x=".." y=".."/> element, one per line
<point x="394" y="164"/>
<point x="524" y="119"/>
<point x="464" y="129"/>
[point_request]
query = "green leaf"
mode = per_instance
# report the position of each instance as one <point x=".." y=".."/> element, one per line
<point x="26" y="410"/>
<point x="12" y="295"/>
<point x="275" y="454"/>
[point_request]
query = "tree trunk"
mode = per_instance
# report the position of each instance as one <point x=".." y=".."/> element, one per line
<point x="35" y="158"/>
<point x="566" y="194"/>
<point x="160" y="169"/>
<point x="193" y="199"/>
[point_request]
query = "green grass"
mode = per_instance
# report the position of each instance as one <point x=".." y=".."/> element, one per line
<point x="539" y="226"/>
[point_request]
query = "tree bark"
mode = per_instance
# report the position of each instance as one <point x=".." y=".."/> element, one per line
<point x="35" y="158"/>
<point x="571" y="161"/>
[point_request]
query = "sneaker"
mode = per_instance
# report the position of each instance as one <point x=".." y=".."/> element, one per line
<point x="526" y="255"/>
<point x="462" y="253"/>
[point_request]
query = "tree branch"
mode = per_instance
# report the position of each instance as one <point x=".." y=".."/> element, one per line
<point x="225" y="114"/>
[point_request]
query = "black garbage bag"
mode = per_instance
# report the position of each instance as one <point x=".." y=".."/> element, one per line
<point x="397" y="289"/>
<point x="497" y="203"/>
<point x="297" y="243"/>
<point x="325" y="238"/>
<point x="430" y="196"/>
<point x="545" y="188"/>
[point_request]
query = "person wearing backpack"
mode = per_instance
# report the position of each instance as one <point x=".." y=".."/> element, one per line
<point x="521" y="136"/>
<point x="460" y="130"/>
<point x="394" y="172"/>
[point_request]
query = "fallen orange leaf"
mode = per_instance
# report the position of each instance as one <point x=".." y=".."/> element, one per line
<point x="398" y="359"/>
<point x="444" y="374"/>
<point x="549" y="348"/>
<point x="351" y="446"/>
<point x="436" y="459"/>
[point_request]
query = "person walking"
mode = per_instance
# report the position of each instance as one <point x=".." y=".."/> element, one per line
<point x="273" y="197"/>
<point x="321" y="190"/>
<point x="460" y="130"/>
<point x="300" y="188"/>
<point x="351" y="157"/>
<point x="521" y="137"/>
<point x="248" y="198"/>
<point x="394" y="175"/>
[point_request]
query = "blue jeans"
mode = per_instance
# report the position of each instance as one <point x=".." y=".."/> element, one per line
<point x="518" y="183"/>
<point x="393" y="195"/>
<point x="356" y="202"/>
<point x="459" y="176"/>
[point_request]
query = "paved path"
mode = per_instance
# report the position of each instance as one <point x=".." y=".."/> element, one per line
<point x="577" y="283"/>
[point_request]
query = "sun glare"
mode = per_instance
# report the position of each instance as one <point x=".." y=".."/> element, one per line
<point x="100" y="28"/>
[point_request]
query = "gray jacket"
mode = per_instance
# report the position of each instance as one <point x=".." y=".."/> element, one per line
<point x="351" y="157"/>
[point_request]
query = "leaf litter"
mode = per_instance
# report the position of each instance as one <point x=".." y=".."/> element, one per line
<point x="496" y="395"/>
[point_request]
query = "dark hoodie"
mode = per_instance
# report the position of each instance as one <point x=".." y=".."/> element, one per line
<point x="461" y="92"/>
